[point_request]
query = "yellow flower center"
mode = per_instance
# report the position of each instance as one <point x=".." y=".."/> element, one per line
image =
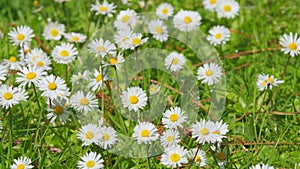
<point x="165" y="11"/>
<point x="173" y="117"/>
<point x="64" y="53"/>
<point x="40" y="63"/>
<point x="187" y="19"/>
<point x="133" y="99"/>
<point x="198" y="159"/>
<point x="125" y="18"/>
<point x="26" y="51"/>
<point x="30" y="75"/>
<point x="175" y="61"/>
<point x="8" y="96"/>
<point x="270" y="80"/>
<point x="90" y="164"/>
<point x="106" y="137"/>
<point x="54" y="32"/>
<point x="113" y="61"/>
<point x="218" y="36"/>
<point x="52" y="86"/>
<point x="209" y="72"/>
<point x="293" y="46"/>
<point x="227" y="8"/>
<point x="204" y="131"/>
<point x="20" y="36"/>
<point x="212" y="1"/>
<point x="175" y="157"/>
<point x="136" y="41"/>
<point x="145" y="133"/>
<point x="216" y="132"/>
<point x="89" y="135"/>
<point x="101" y="49"/>
<point x="159" y="30"/>
<point x="12" y="59"/>
<point x="75" y="38"/>
<point x="153" y="89"/>
<point x="264" y="83"/>
<point x="36" y="3"/>
<point x="99" y="78"/>
<point x="58" y="110"/>
<point x="221" y="156"/>
<point x="84" y="101"/>
<point x="102" y="8"/>
<point x="21" y="166"/>
<point x="170" y="138"/>
<point x="80" y="77"/>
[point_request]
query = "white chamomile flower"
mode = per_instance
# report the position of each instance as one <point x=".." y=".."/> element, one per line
<point x="218" y="35"/>
<point x="200" y="158"/>
<point x="84" y="102"/>
<point x="261" y="166"/>
<point x="154" y="88"/>
<point x="107" y="138"/>
<point x="12" y="63"/>
<point x="38" y="58"/>
<point x="122" y="38"/>
<point x="91" y="160"/>
<point x="80" y="77"/>
<point x="21" y="163"/>
<point x="159" y="30"/>
<point x="22" y="95"/>
<point x="115" y="60"/>
<point x="210" y="73"/>
<point x="30" y="75"/>
<point x="210" y="4"/>
<point x="104" y="9"/>
<point x="3" y="73"/>
<point x="227" y="8"/>
<point x="134" y="98"/>
<point x="101" y="47"/>
<point x="219" y="155"/>
<point x="58" y="110"/>
<point x="145" y="132"/>
<point x="126" y="19"/>
<point x="75" y="37"/>
<point x="137" y="40"/>
<point x="24" y="50"/>
<point x="54" y="31"/>
<point x="169" y="138"/>
<point x="202" y="131"/>
<point x="53" y="87"/>
<point x="220" y="131"/>
<point x="290" y="44"/>
<point x="10" y="96"/>
<point x="187" y="21"/>
<point x="174" y="117"/>
<point x="174" y="157"/>
<point x="266" y="81"/>
<point x="20" y="35"/>
<point x="89" y="134"/>
<point x="98" y="79"/>
<point x="164" y="11"/>
<point x="64" y="53"/>
<point x="175" y="61"/>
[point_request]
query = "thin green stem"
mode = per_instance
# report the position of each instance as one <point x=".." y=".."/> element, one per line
<point x="36" y="96"/>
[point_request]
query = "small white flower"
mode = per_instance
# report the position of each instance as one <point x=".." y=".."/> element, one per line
<point x="210" y="4"/>
<point x="107" y="138"/>
<point x="218" y="35"/>
<point x="164" y="11"/>
<point x="220" y="131"/>
<point x="89" y="134"/>
<point x="104" y="9"/>
<point x="10" y="96"/>
<point x="154" y="88"/>
<point x="267" y="81"/>
<point x="202" y="131"/>
<point x="200" y="159"/>
<point x="145" y="132"/>
<point x="80" y="77"/>
<point x="98" y="79"/>
<point x="30" y="75"/>
<point x="114" y="60"/>
<point x="137" y="40"/>
<point x="84" y="102"/>
<point x="187" y="21"/>
<point x="37" y="57"/>
<point x="290" y="43"/>
<point x="64" y="53"/>
<point x="173" y="118"/>
<point x="169" y="138"/>
<point x="12" y="63"/>
<point x="261" y="166"/>
<point x="101" y="47"/>
<point x="58" y="110"/>
<point x="210" y="73"/>
<point x="122" y="38"/>
<point x="75" y="37"/>
<point x="20" y="35"/>
<point x="227" y="8"/>
<point x="174" y="157"/>
<point x="91" y="161"/>
<point x="53" y="31"/>
<point x="22" y="163"/>
<point x="175" y="61"/>
<point x="126" y="19"/>
<point x="134" y="98"/>
<point x="159" y="30"/>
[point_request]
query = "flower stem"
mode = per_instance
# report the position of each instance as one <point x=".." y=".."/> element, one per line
<point x="194" y="157"/>
<point x="36" y="96"/>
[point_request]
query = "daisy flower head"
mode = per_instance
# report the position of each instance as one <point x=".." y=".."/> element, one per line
<point x="53" y="87"/>
<point x="227" y="8"/>
<point x="219" y="154"/>
<point x="104" y="9"/>
<point x="145" y="132"/>
<point x="164" y="11"/>
<point x="38" y="58"/>
<point x="220" y="131"/>
<point x="53" y="31"/>
<point x="200" y="159"/>
<point x="210" y="4"/>
<point x="20" y="35"/>
<point x="187" y="21"/>
<point x="80" y="77"/>
<point x="58" y="110"/>
<point x="12" y="63"/>
<point x="122" y="38"/>
<point x="89" y="134"/>
<point x="114" y="60"/>
<point x="169" y="138"/>
<point x="154" y="88"/>
<point x="91" y="160"/>
<point x="137" y="40"/>
<point x="84" y="102"/>
<point x="108" y="137"/>
<point x="9" y="96"/>
<point x="134" y="98"/>
<point x="290" y="44"/>
<point x="22" y="95"/>
<point x="173" y="117"/>
<point x="174" y="157"/>
<point x="64" y="53"/>
<point x="175" y="61"/>
<point x="261" y="166"/>
<point x="30" y="75"/>
<point x="101" y="47"/>
<point x="75" y="37"/>
<point x="202" y="131"/>
<point x="266" y="81"/>
<point x="24" y="50"/>
<point x="159" y="30"/>
<point x="21" y="163"/>
<point x="3" y="73"/>
<point x="210" y="73"/>
<point x="218" y="35"/>
<point x="98" y="79"/>
<point x="126" y="19"/>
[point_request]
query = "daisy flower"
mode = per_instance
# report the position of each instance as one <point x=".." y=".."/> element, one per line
<point x="218" y="35"/>
<point x="107" y="138"/>
<point x="10" y="96"/>
<point x="97" y="81"/>
<point x="80" y="77"/>
<point x="261" y="166"/>
<point x="126" y="19"/>
<point x="24" y="50"/>
<point x="43" y="62"/>
<point x="38" y="58"/>
<point x="173" y="118"/>
<point x="137" y="40"/>
<point x="169" y="138"/>
<point x="22" y="95"/>
<point x="101" y="47"/>
<point x="91" y="160"/>
<point x="58" y="110"/>
<point x="89" y="134"/>
<point x="122" y="38"/>
<point x="53" y="31"/>
<point x="64" y="53"/>
<point x="84" y="102"/>
<point x="220" y="131"/>
<point x="21" y="163"/>
<point x="134" y="98"/>
<point x="200" y="159"/>
<point x="175" y="61"/>
<point x="159" y="30"/>
<point x="290" y="43"/>
<point x="267" y="81"/>
<point x="164" y="11"/>
<point x="227" y="8"/>
<point x="75" y="37"/>
<point x="20" y="35"/>
<point x="219" y="154"/>
<point x="3" y="73"/>
<point x="30" y="75"/>
<point x="12" y="63"/>
<point x="145" y="132"/>
<point x="154" y="88"/>
<point x="202" y="131"/>
<point x="53" y="87"/>
<point x="187" y="21"/>
<point x="174" y="157"/>
<point x="115" y="60"/>
<point x="104" y="9"/>
<point x="210" y="73"/>
<point x="210" y="4"/>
